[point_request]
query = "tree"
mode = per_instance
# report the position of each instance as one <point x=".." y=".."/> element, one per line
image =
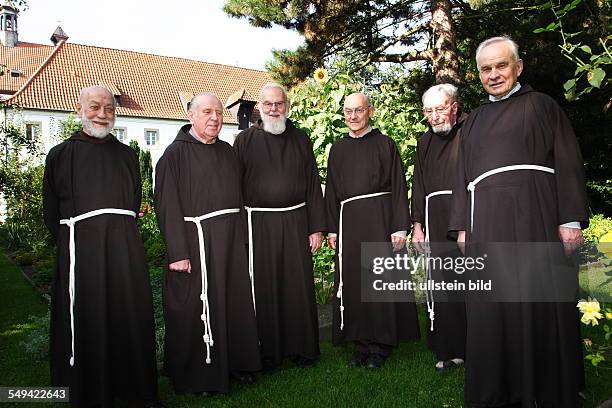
<point x="364" y="32"/>
<point x="146" y="175"/>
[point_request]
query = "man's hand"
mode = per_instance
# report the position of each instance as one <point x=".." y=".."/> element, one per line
<point x="331" y="241"/>
<point x="315" y="241"/>
<point x="398" y="242"/>
<point x="418" y="237"/>
<point x="571" y="238"/>
<point x="461" y="241"/>
<point x="181" y="266"/>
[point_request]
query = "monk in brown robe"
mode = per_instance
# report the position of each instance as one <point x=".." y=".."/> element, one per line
<point x="102" y="335"/>
<point x="211" y="332"/>
<point x="521" y="162"/>
<point x="365" y="168"/>
<point x="284" y="202"/>
<point x="433" y="178"/>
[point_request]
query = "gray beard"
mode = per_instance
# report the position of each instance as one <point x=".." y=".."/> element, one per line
<point x="442" y="130"/>
<point x="276" y="128"/>
<point x="91" y="130"/>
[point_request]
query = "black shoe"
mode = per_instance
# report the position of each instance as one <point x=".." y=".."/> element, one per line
<point x="375" y="361"/>
<point x="243" y="377"/>
<point x="303" y="362"/>
<point x="358" y="360"/>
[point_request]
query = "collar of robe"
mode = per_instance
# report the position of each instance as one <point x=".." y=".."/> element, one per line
<point x="366" y="135"/>
<point x="184" y="135"/>
<point x="84" y="137"/>
<point x="525" y="88"/>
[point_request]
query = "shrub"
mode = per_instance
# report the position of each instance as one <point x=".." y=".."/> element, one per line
<point x="323" y="265"/>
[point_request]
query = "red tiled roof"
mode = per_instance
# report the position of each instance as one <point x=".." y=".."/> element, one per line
<point x="26" y="57"/>
<point x="149" y="84"/>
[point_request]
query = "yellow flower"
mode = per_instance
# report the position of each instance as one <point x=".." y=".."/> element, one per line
<point x="320" y="75"/>
<point x="590" y="311"/>
<point x="609" y="315"/>
<point x="588" y="343"/>
<point x="605" y="244"/>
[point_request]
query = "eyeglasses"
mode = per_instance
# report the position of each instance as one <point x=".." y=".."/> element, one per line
<point x="357" y="111"/>
<point x="440" y="110"/>
<point x="270" y="105"/>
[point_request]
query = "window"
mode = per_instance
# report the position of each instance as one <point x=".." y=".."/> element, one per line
<point x="151" y="137"/>
<point x="120" y="134"/>
<point x="32" y="131"/>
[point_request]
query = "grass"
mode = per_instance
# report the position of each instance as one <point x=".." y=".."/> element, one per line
<point x="408" y="379"/>
<point x="18" y="301"/>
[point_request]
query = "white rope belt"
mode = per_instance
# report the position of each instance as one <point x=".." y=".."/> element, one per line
<point x="70" y="222"/>
<point x="341" y="282"/>
<point x="472" y="185"/>
<point x="429" y="296"/>
<point x="205" y="316"/>
<point x="250" y="211"/>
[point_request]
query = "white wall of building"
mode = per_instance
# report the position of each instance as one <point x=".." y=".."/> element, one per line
<point x="135" y="128"/>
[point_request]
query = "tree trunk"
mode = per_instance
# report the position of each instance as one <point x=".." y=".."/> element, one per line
<point x="445" y="61"/>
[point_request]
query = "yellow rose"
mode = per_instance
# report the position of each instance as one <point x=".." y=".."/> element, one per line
<point x="590" y="311"/>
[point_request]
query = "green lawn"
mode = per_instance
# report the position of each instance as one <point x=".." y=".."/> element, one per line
<point x="407" y="380"/>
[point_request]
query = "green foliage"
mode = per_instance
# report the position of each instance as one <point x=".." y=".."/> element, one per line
<point x="400" y="119"/>
<point x="599" y="225"/>
<point x="146" y="176"/>
<point x="66" y="128"/>
<point x="36" y="343"/>
<point x="134" y="145"/>
<point x="323" y="266"/>
<point x="158" y="311"/>
<point x="591" y="65"/>
<point x="155" y="248"/>
<point x="317" y="109"/>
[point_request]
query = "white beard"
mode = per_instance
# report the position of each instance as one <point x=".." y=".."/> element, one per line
<point x="443" y="129"/>
<point x="276" y="127"/>
<point x="93" y="131"/>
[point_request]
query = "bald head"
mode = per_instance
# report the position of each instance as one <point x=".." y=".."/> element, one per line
<point x="204" y="97"/>
<point x="357" y="112"/>
<point x="96" y="108"/>
<point x="206" y="116"/>
<point x="96" y="91"/>
<point x="357" y="98"/>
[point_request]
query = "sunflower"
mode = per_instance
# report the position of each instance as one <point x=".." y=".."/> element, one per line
<point x="320" y="75"/>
